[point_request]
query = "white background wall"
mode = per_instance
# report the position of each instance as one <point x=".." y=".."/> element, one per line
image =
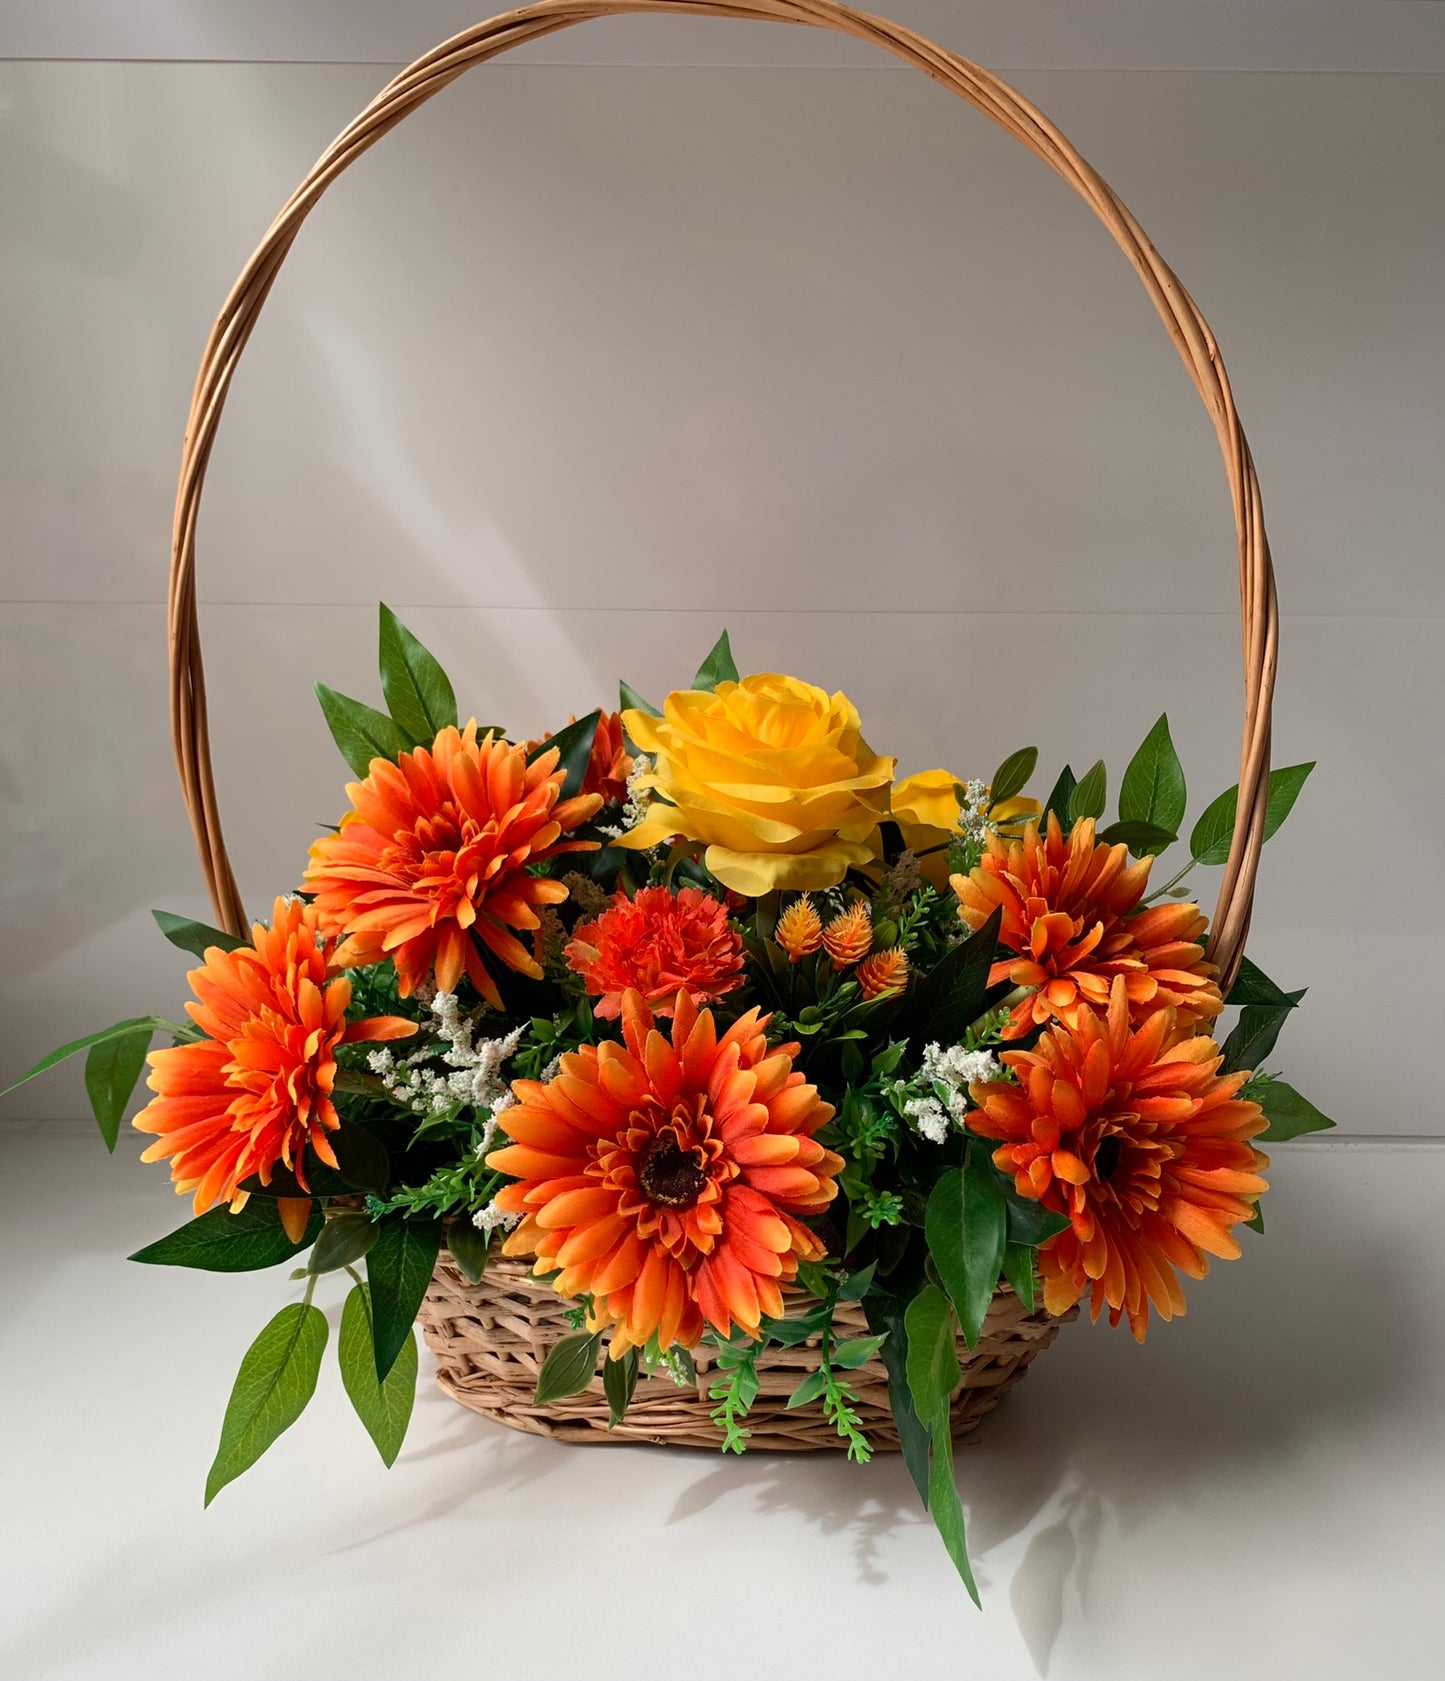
<point x="588" y="360"/>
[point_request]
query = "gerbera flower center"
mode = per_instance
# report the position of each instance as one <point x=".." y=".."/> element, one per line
<point x="670" y="1174"/>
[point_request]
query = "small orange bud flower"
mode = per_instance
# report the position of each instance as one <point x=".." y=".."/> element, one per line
<point x="800" y="929"/>
<point x="848" y="937"/>
<point x="884" y="971"/>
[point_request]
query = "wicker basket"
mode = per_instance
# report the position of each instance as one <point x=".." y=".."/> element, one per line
<point x="490" y="1339"/>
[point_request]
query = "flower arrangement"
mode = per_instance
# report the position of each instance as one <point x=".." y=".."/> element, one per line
<point x="719" y="1025"/>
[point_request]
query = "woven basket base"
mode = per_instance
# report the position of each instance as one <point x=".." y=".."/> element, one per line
<point x="490" y="1340"/>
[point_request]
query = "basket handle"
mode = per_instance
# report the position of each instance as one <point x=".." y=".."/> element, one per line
<point x="986" y="93"/>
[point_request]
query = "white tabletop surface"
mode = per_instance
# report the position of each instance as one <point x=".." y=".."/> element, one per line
<point x="1254" y="1494"/>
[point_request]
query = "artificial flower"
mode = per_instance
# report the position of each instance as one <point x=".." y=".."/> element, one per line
<point x="608" y="765"/>
<point x="883" y="971"/>
<point x="1136" y="1138"/>
<point x="849" y="936"/>
<point x="257" y="1089"/>
<point x="434" y="862"/>
<point x="668" y="1179"/>
<point x="930" y="817"/>
<point x="770" y="775"/>
<point x="657" y="944"/>
<point x="800" y="929"/>
<point x="1071" y="916"/>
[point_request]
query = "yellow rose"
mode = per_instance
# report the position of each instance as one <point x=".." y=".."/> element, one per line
<point x="771" y="775"/>
<point x="926" y="809"/>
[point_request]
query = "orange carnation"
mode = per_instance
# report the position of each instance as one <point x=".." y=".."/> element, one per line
<point x="1135" y="1137"/>
<point x="257" y="1089"/>
<point x="433" y="863"/>
<point x="657" y="944"/>
<point x="1067" y="914"/>
<point x="669" y="1180"/>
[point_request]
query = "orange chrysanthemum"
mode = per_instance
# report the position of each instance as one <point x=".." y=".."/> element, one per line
<point x="1068" y="909"/>
<point x="257" y="1089"/>
<point x="1140" y="1142"/>
<point x="669" y="1181"/>
<point x="433" y="863"/>
<point x="884" y="971"/>
<point x="849" y="936"/>
<point x="608" y="765"/>
<point x="658" y="944"/>
<point x="800" y="929"/>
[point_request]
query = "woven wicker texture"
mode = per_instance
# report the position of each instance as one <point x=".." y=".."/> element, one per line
<point x="490" y="1340"/>
<point x="987" y="94"/>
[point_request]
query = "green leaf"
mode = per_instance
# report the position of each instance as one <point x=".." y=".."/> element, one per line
<point x="384" y="1408"/>
<point x="418" y="693"/>
<point x="360" y="732"/>
<point x="120" y="1030"/>
<point x="1140" y="838"/>
<point x="1253" y="986"/>
<point x="810" y="1389"/>
<point x="469" y="1248"/>
<point x="1018" y="1269"/>
<point x="1012" y="775"/>
<point x="111" y="1071"/>
<point x="857" y="1351"/>
<point x="1210" y="841"/>
<point x="1091" y="795"/>
<point x="574" y="745"/>
<point x="570" y="1366"/>
<point x="1061" y="796"/>
<point x="1029" y="1222"/>
<point x="399" y="1268"/>
<point x="633" y="702"/>
<point x="361" y="1158"/>
<point x="885" y="1312"/>
<point x="932" y="1359"/>
<point x="619" y="1383"/>
<point x="1153" y="789"/>
<point x="950" y="997"/>
<point x="1255" y="1033"/>
<point x="857" y="1284"/>
<point x="966" y="1224"/>
<point x="346" y="1237"/>
<point x="718" y="667"/>
<point x="1289" y="1115"/>
<point x="220" y="1241"/>
<point x="276" y="1380"/>
<point x="945" y="1506"/>
<point x="1255" y="1222"/>
<point x="192" y="936"/>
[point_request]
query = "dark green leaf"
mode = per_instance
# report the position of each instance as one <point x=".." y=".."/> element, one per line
<point x="361" y="1158"/>
<point x="950" y="997"/>
<point x="1140" y="838"/>
<point x="570" y="1366"/>
<point x="1255" y="1222"/>
<point x="885" y="1312"/>
<point x="346" y="1237"/>
<point x="574" y="747"/>
<point x="192" y="936"/>
<point x="111" y="1071"/>
<point x="633" y="702"/>
<point x="945" y="1506"/>
<point x="965" y="1224"/>
<point x="1153" y="790"/>
<point x="276" y="1380"/>
<point x="360" y="732"/>
<point x="121" y="1029"/>
<point x="384" y="1408"/>
<point x="399" y="1268"/>
<point x="718" y="667"/>
<point x="857" y="1284"/>
<point x="1061" y="796"/>
<point x="321" y="1180"/>
<point x="469" y="1248"/>
<point x="1018" y="1269"/>
<point x="619" y="1383"/>
<point x="810" y="1389"/>
<point x="857" y="1351"/>
<point x="932" y="1356"/>
<point x="1210" y="841"/>
<point x="1255" y="1033"/>
<point x="1091" y="795"/>
<point x="220" y="1241"/>
<point x="1289" y="1115"/>
<point x="418" y="693"/>
<point x="1253" y="986"/>
<point x="1012" y="775"/>
<point x="1029" y="1222"/>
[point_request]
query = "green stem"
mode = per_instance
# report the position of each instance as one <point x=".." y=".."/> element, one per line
<point x="1173" y="881"/>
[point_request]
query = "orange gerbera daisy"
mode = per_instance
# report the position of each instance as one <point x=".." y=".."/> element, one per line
<point x="608" y="765"/>
<point x="1070" y="913"/>
<point x="433" y="863"/>
<point x="669" y="1180"/>
<point x="657" y="944"/>
<point x="1136" y="1137"/>
<point x="257" y="1089"/>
